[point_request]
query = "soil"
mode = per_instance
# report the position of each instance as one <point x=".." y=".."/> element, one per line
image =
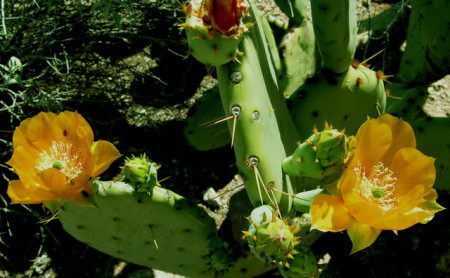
<point x="134" y="85"/>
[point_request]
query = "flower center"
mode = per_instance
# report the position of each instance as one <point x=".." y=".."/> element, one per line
<point x="63" y="157"/>
<point x="378" y="187"/>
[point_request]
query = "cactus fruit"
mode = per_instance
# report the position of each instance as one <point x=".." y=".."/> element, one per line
<point x="140" y="173"/>
<point x="320" y="156"/>
<point x="344" y="101"/>
<point x="304" y="264"/>
<point x="335" y="30"/>
<point x="270" y="238"/>
<point x="200" y="130"/>
<point x="159" y="229"/>
<point x="214" y="29"/>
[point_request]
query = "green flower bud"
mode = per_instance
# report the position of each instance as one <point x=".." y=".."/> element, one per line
<point x="140" y="172"/>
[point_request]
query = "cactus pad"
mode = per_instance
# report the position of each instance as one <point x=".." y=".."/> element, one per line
<point x="161" y="230"/>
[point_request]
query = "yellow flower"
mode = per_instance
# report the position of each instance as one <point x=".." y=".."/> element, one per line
<point x="54" y="157"/>
<point x="387" y="185"/>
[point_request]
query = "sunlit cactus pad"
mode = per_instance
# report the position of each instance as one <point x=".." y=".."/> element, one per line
<point x="161" y="230"/>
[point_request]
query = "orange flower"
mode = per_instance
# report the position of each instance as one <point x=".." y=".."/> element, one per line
<point x="387" y="185"/>
<point x="54" y="157"/>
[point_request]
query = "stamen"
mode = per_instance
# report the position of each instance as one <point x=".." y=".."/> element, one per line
<point x="378" y="187"/>
<point x="63" y="157"/>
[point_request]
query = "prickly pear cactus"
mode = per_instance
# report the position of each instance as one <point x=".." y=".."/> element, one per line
<point x="161" y="230"/>
<point x="257" y="141"/>
<point x="304" y="264"/>
<point x="203" y="129"/>
<point x="140" y="173"/>
<point x="433" y="139"/>
<point x="344" y="100"/>
<point x="270" y="238"/>
<point x="300" y="58"/>
<point x="214" y="32"/>
<point x="320" y="156"/>
<point x="335" y="29"/>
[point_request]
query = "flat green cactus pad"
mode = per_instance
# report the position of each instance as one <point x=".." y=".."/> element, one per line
<point x="161" y="230"/>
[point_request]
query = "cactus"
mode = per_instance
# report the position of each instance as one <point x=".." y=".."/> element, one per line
<point x="320" y="156"/>
<point x="304" y="264"/>
<point x="268" y="100"/>
<point x="433" y="139"/>
<point x="300" y="58"/>
<point x="147" y="229"/>
<point x="201" y="131"/>
<point x="270" y="238"/>
<point x="344" y="101"/>
<point x="257" y="143"/>
<point x="212" y="38"/>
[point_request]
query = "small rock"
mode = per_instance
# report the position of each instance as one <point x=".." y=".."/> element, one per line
<point x="211" y="197"/>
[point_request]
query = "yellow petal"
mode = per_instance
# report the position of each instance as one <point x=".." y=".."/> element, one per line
<point x="52" y="178"/>
<point x="422" y="213"/>
<point x="37" y="132"/>
<point x="103" y="154"/>
<point x="372" y="141"/>
<point x="19" y="194"/>
<point x="361" y="235"/>
<point x="411" y="168"/>
<point x="402" y="136"/>
<point x="76" y="131"/>
<point x="84" y="195"/>
<point x="24" y="160"/>
<point x="358" y="207"/>
<point x="329" y="213"/>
